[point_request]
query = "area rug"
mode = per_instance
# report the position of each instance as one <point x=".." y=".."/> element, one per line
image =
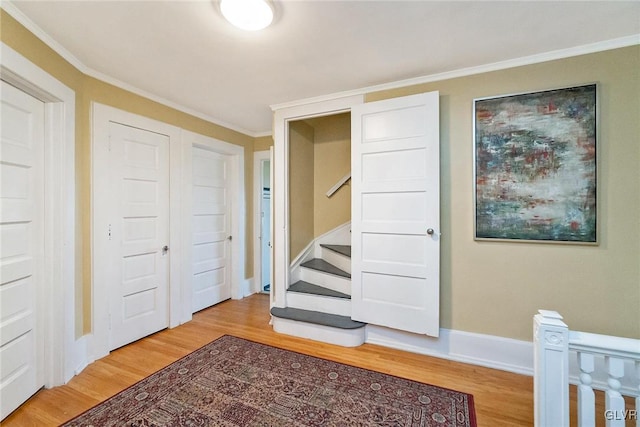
<point x="235" y="382"/>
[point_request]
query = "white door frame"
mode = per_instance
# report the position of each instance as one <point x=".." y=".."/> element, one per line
<point x="258" y="158"/>
<point x="280" y="168"/>
<point x="57" y="299"/>
<point x="189" y="139"/>
<point x="102" y="115"/>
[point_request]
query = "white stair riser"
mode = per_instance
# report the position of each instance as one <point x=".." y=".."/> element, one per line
<point x="327" y="334"/>
<point x="323" y="304"/>
<point x="341" y="261"/>
<point x="329" y="281"/>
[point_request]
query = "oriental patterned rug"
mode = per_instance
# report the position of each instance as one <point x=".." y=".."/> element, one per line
<point x="236" y="382"/>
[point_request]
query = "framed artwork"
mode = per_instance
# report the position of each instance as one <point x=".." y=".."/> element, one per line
<point x="535" y="166"/>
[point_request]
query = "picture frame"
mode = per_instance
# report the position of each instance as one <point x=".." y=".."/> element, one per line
<point x="535" y="166"/>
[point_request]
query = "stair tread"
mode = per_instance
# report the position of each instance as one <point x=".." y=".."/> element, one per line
<point x="316" y="317"/>
<point x="341" y="249"/>
<point x="309" y="288"/>
<point x="322" y="265"/>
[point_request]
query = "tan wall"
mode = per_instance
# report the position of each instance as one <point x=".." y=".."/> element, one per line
<point x="262" y="143"/>
<point x="495" y="288"/>
<point x="300" y="187"/>
<point x="88" y="90"/>
<point x="332" y="161"/>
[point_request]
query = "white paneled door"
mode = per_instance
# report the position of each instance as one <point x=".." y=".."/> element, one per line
<point x="396" y="213"/>
<point x="211" y="225"/>
<point x="21" y="247"/>
<point x="139" y="233"/>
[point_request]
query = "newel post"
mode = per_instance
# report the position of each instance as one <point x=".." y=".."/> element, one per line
<point x="551" y="370"/>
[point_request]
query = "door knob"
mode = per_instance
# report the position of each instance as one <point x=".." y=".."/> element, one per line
<point x="430" y="231"/>
<point x="165" y="249"/>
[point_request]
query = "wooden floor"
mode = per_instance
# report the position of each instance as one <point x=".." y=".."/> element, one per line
<point x="501" y="398"/>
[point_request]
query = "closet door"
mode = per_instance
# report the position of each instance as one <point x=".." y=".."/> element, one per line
<point x="211" y="224"/>
<point x="22" y="172"/>
<point x="396" y="213"/>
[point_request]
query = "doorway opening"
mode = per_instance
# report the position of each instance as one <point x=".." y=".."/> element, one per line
<point x="263" y="208"/>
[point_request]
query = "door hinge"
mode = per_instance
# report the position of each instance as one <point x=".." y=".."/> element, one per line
<point x="109" y="232"/>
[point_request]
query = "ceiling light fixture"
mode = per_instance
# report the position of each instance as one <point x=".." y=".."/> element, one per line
<point x="249" y="15"/>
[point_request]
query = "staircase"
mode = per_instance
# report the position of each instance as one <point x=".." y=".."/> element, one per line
<point x="319" y="304"/>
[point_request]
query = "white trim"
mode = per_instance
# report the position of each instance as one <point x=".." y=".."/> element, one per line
<point x="258" y="158"/>
<point x="341" y="235"/>
<point x="469" y="71"/>
<point x="59" y="225"/>
<point x="490" y="351"/>
<point x="238" y="212"/>
<point x="280" y="169"/>
<point x="326" y="334"/>
<point x="339" y="184"/>
<point x="600" y="46"/>
<point x="102" y="115"/>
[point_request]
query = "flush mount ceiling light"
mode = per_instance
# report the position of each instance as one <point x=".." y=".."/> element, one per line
<point x="249" y="15"/>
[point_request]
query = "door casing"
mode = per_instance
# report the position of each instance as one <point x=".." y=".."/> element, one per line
<point x="280" y="169"/>
<point x="258" y="158"/>
<point x="239" y="286"/>
<point x="101" y="199"/>
<point x="181" y="142"/>
<point x="63" y="353"/>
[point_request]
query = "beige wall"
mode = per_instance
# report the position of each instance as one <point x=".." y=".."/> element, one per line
<point x="331" y="162"/>
<point x="301" y="209"/>
<point x="88" y="90"/>
<point x="262" y="143"/>
<point x="495" y="288"/>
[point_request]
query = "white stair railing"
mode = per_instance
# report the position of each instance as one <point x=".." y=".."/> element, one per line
<point x="553" y="345"/>
<point x="342" y="181"/>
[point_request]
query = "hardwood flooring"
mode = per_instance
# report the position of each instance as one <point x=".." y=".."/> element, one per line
<point x="501" y="398"/>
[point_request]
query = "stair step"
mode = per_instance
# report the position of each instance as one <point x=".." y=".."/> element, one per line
<point x="322" y="265"/>
<point x="341" y="249"/>
<point x="324" y="319"/>
<point x="309" y="288"/>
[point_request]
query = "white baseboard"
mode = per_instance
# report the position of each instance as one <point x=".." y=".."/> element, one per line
<point x="490" y="351"/>
<point x="248" y="287"/>
<point x="81" y="356"/>
<point x="477" y="349"/>
<point x="341" y="235"/>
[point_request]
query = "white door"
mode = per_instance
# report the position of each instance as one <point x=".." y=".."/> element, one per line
<point x="21" y="246"/>
<point x="396" y="213"/>
<point x="139" y="233"/>
<point x="211" y="229"/>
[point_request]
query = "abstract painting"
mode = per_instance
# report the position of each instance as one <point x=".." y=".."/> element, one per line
<point x="535" y="166"/>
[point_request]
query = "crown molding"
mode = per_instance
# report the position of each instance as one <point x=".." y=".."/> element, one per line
<point x="17" y="14"/>
<point x="463" y="72"/>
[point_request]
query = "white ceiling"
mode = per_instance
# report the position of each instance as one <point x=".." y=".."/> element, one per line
<point x="185" y="54"/>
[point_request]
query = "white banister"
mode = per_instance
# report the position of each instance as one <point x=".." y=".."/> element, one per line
<point x="614" y="402"/>
<point x="339" y="184"/>
<point x="586" y="396"/>
<point x="553" y="343"/>
<point x="551" y="370"/>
